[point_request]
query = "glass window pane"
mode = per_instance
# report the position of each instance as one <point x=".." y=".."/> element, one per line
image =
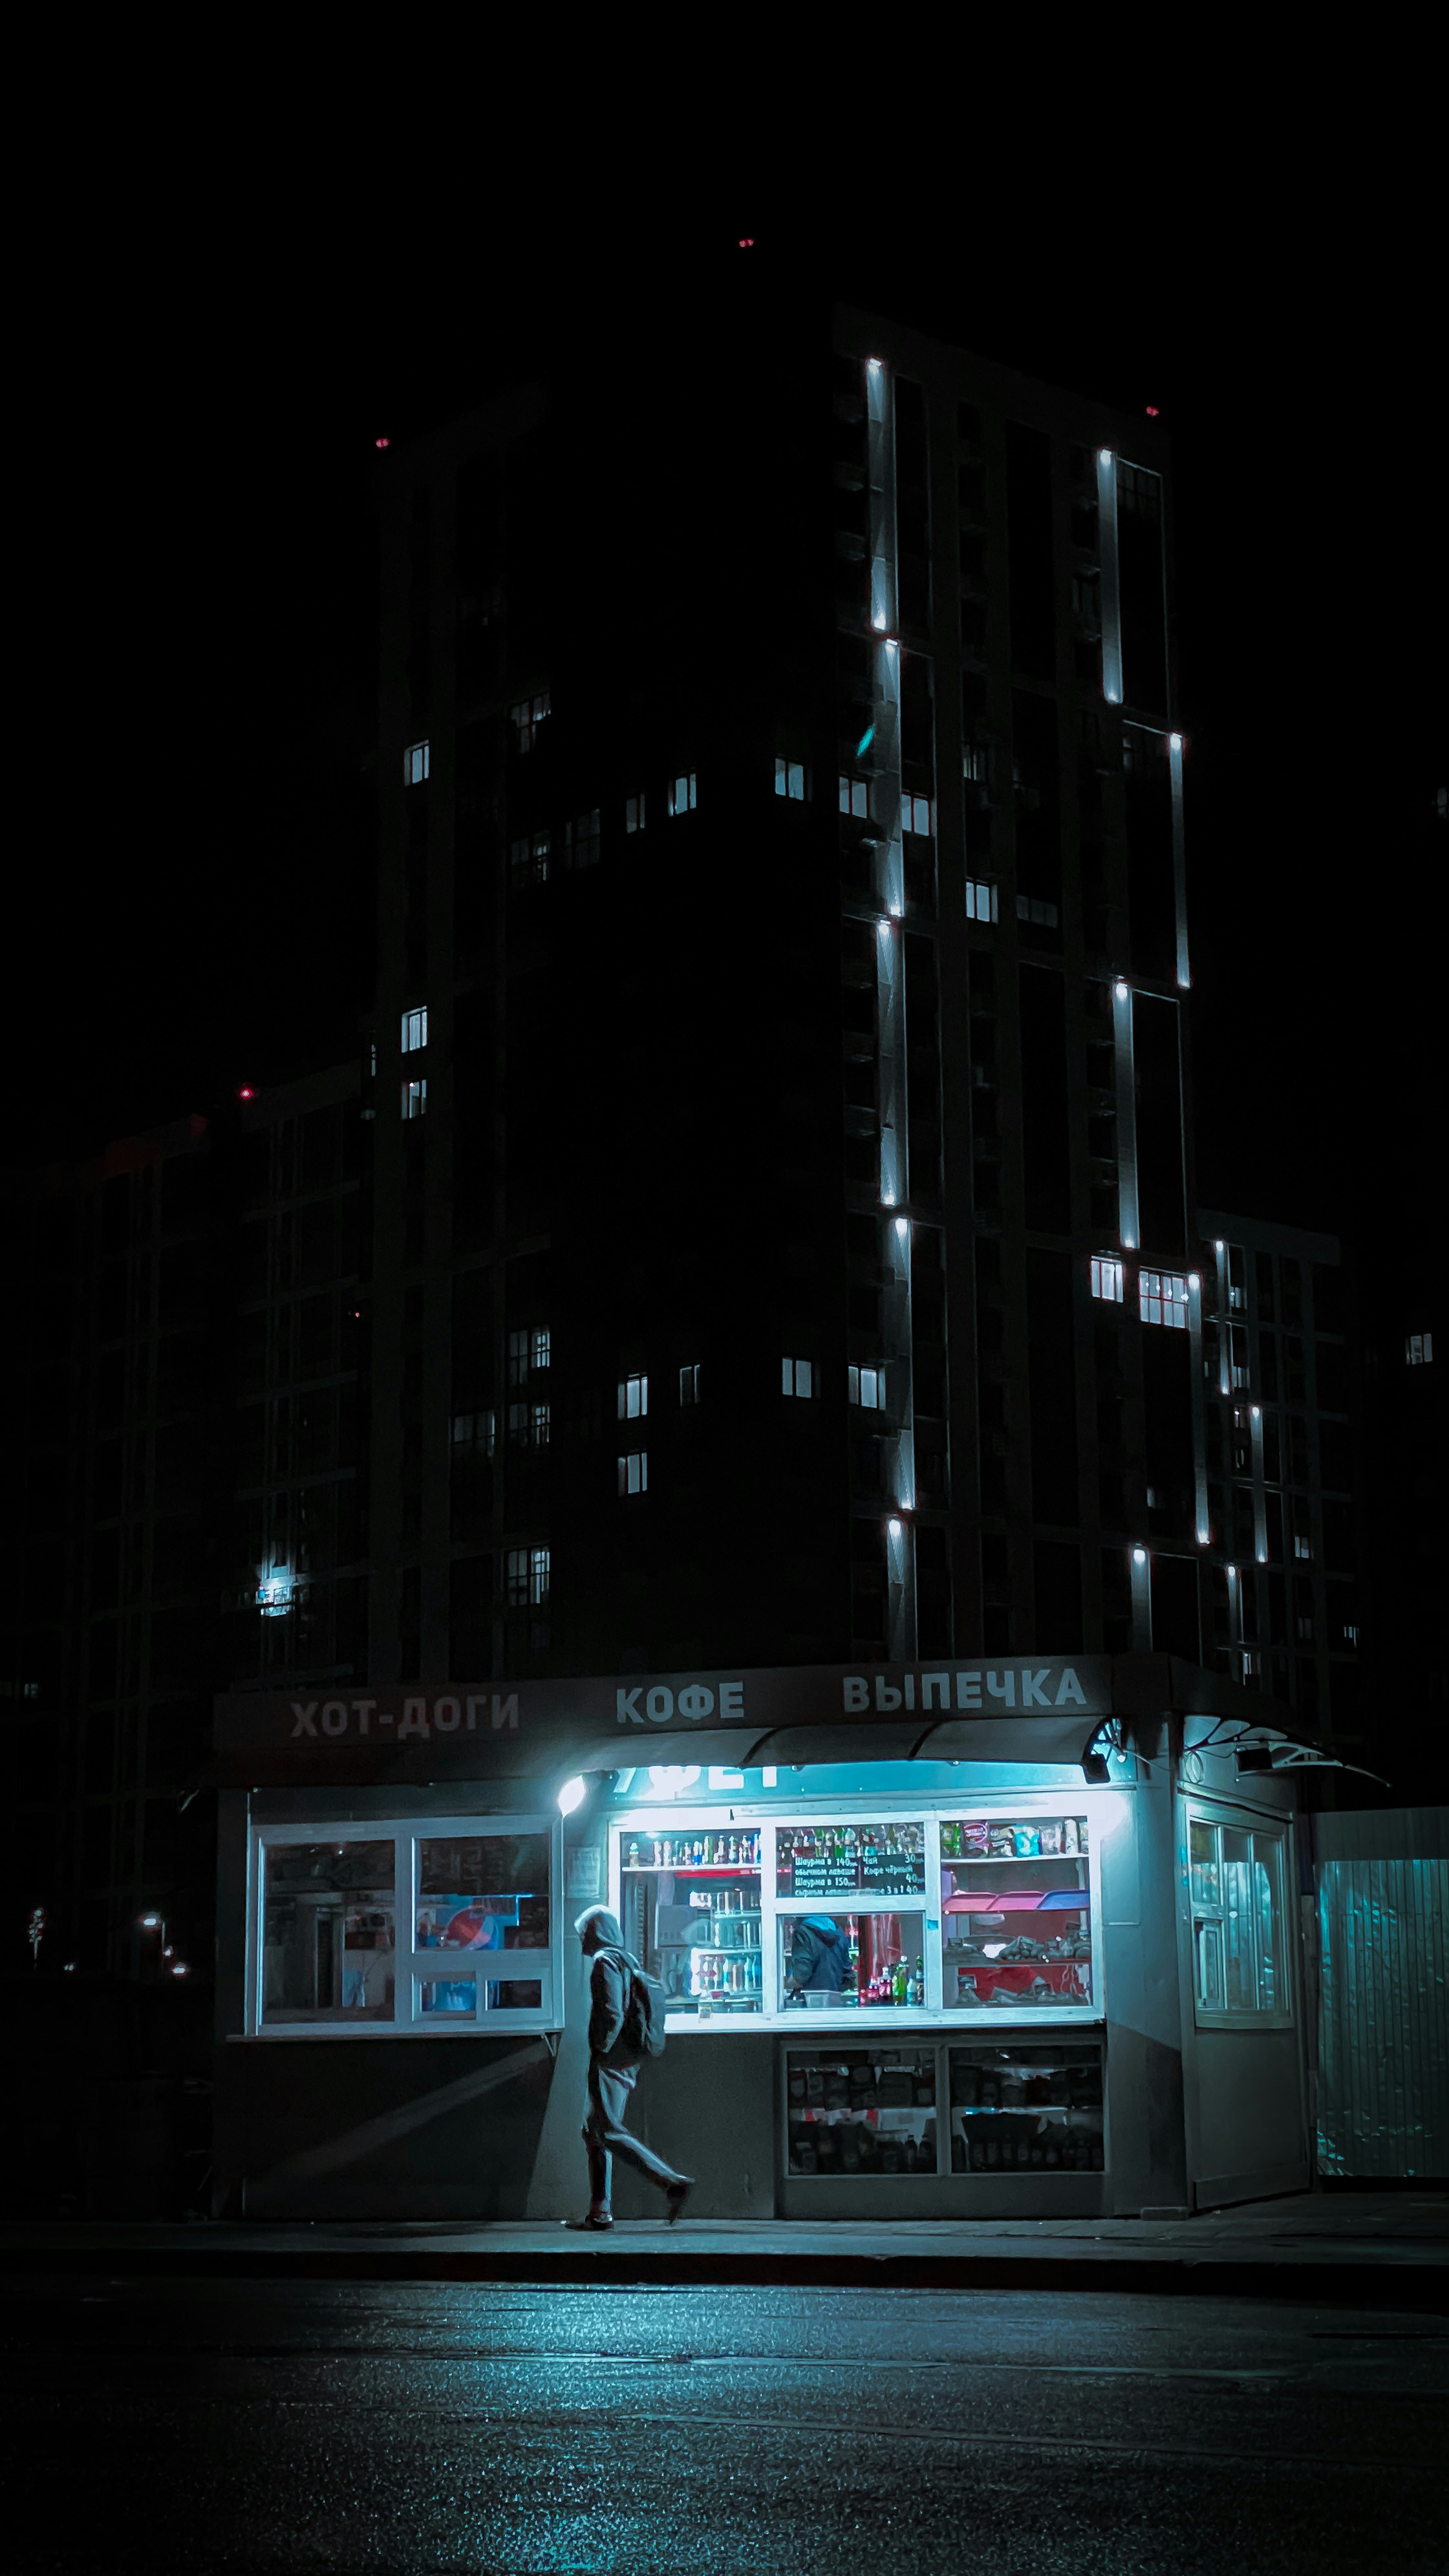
<point x="448" y="1998"/>
<point x="1240" y="1982"/>
<point x="1016" y="1912"/>
<point x="1034" y="2106"/>
<point x="690" y="1909"/>
<point x="830" y="1960"/>
<point x="1265" y="1873"/>
<point x="861" y="2110"/>
<point x="1202" y="1844"/>
<point x="483" y="1892"/>
<point x="839" y="1860"/>
<point x="1208" y="1947"/>
<point x="329" y="1936"/>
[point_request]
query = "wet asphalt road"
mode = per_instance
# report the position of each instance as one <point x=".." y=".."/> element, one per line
<point x="364" y="2426"/>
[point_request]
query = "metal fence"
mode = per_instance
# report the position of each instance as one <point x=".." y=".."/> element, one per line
<point x="1383" y="2013"/>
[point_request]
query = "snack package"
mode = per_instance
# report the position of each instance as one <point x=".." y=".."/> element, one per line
<point x="1051" y="1838"/>
<point x="976" y="1837"/>
<point x="1003" y="1842"/>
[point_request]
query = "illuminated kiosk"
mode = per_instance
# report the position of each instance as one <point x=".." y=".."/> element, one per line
<point x="1007" y="1938"/>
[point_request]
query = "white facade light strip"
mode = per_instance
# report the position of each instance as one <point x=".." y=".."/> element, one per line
<point x="885" y="810"/>
<point x="900" y="1589"/>
<point x="881" y="464"/>
<point x="1111" y="578"/>
<point x="890" y="1004"/>
<point x="1260" y="1500"/>
<point x="898" y="1326"/>
<point x="1225" y="1330"/>
<point x="1179" y="859"/>
<point x="1141" y="1601"/>
<point x="1199" y="1426"/>
<point x="1128" y="1222"/>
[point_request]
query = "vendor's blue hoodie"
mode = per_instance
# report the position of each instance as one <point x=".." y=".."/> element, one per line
<point x="819" y="1956"/>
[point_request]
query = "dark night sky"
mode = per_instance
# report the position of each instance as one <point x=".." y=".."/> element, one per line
<point x="204" y="440"/>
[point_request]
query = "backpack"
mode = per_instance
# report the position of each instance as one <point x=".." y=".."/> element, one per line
<point x="642" y="2029"/>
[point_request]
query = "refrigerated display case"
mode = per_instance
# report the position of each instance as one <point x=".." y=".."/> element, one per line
<point x="1016" y="1912"/>
<point x="1027" y="2108"/>
<point x="861" y="2111"/>
<point x="689" y="1906"/>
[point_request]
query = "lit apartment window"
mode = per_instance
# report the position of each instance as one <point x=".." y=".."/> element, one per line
<point x="1030" y="907"/>
<point x="582" y="841"/>
<point x="529" y="1425"/>
<point x="527" y="716"/>
<point x="634" y="1473"/>
<point x="867" y="1388"/>
<point x="529" y="858"/>
<point x="528" y="1577"/>
<point x="473" y="1434"/>
<point x="976" y="763"/>
<point x="855" y="797"/>
<point x="1238" y="1354"/>
<point x="634" y="814"/>
<point x="1418" y="1349"/>
<point x="415" y="1098"/>
<point x="681" y="794"/>
<point x="1302" y="1546"/>
<point x="980" y="900"/>
<point x="918" y="815"/>
<point x="1108" y="1277"/>
<point x="414" y="1030"/>
<point x="1162" y="1298"/>
<point x="633" y="1398"/>
<point x="1305" y="1628"/>
<point x="797" y="1377"/>
<point x="415" y="764"/>
<point x="527" y="1350"/>
<point x="790" y="779"/>
<point x="689" y="1383"/>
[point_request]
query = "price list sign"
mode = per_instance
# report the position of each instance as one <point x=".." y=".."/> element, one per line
<point x="885" y="1860"/>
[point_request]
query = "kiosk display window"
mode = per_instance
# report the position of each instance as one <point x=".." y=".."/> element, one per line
<point x="849" y="1914"/>
<point x="1018" y="2109"/>
<point x="831" y="1961"/>
<point x="451" y="1925"/>
<point x="1016" y="1912"/>
<point x="690" y="1909"/>
<point x="1239" y="1952"/>
<point x="329" y="1950"/>
<point x="861" y="2110"/>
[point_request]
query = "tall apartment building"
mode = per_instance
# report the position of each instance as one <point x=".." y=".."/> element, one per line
<point x="781" y="1056"/>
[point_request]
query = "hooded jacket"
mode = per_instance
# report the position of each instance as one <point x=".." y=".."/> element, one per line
<point x="609" y="1965"/>
<point x="819" y="1956"/>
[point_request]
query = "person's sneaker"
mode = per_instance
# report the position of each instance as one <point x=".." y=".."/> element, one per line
<point x="677" y="2194"/>
<point x="595" y="2226"/>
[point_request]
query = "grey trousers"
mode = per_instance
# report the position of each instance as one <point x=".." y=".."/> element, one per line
<point x="605" y="2134"/>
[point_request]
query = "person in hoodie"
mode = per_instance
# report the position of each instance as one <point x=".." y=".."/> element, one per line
<point x="613" y="2073"/>
<point x="819" y="1957"/>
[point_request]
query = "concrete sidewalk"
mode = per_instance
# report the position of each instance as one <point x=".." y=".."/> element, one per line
<point x="1380" y="2250"/>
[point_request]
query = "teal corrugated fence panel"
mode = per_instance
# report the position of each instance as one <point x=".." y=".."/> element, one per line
<point x="1383" y="2027"/>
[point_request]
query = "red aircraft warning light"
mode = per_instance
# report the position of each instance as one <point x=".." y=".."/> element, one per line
<point x="246" y="1091"/>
